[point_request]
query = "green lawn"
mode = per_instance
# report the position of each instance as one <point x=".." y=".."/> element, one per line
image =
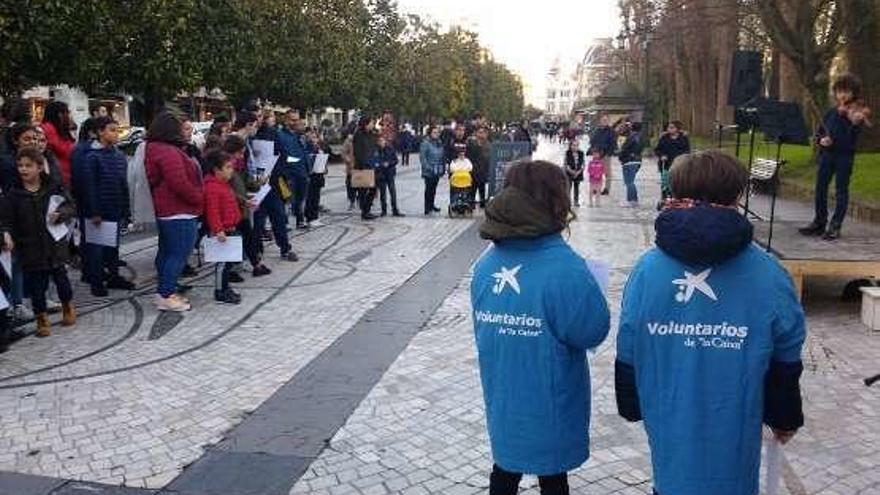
<point x="800" y="167"/>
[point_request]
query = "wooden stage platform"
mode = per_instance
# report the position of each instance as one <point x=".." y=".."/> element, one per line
<point x="855" y="255"/>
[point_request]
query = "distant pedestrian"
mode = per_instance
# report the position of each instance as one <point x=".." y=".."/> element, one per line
<point x="386" y="174"/>
<point x="537" y="309"/>
<point x="710" y="338"/>
<point x="575" y="165"/>
<point x="672" y="144"/>
<point x="364" y="144"/>
<point x="59" y="132"/>
<point x="604" y="139"/>
<point x="631" y="160"/>
<point x="432" y="156"/>
<point x="317" y="179"/>
<point x="348" y="158"/>
<point x="596" y="175"/>
<point x="405" y="140"/>
<point x="176" y="183"/>
<point x="480" y="154"/>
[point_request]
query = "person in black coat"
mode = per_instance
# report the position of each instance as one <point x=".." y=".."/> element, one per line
<point x="604" y="139"/>
<point x="574" y="168"/>
<point x="364" y="155"/>
<point x="386" y="171"/>
<point x="672" y="144"/>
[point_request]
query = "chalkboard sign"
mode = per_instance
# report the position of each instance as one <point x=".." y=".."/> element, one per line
<point x="503" y="155"/>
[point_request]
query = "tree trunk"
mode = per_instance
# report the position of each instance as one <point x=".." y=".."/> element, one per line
<point x="863" y="59"/>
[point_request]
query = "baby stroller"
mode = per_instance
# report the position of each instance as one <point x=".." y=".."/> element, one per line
<point x="461" y="194"/>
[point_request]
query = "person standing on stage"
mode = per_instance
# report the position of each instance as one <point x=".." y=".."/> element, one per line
<point x="837" y="136"/>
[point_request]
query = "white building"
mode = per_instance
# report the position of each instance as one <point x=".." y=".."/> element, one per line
<point x="561" y="92"/>
<point x="598" y="68"/>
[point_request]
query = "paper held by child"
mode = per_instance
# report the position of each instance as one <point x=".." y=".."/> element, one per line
<point x="320" y="166"/>
<point x="102" y="234"/>
<point x="57" y="230"/>
<point x="223" y="252"/>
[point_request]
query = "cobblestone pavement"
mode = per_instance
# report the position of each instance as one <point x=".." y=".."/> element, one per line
<point x="114" y="400"/>
<point x="128" y="397"/>
<point x="421" y="430"/>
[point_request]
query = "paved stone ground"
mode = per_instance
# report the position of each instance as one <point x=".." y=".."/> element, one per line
<point x="104" y="402"/>
<point x="421" y="430"/>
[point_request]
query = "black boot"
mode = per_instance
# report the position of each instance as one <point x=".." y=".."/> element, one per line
<point x="832" y="233"/>
<point x="814" y="228"/>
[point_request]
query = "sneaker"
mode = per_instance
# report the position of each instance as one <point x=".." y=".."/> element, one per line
<point x="814" y="228"/>
<point x="302" y="226"/>
<point x="291" y="256"/>
<point x="22" y="313"/>
<point x="435" y="209"/>
<point x="398" y="214"/>
<point x="324" y="209"/>
<point x="235" y="278"/>
<point x="318" y="223"/>
<point x="261" y="270"/>
<point x="832" y="233"/>
<point x="227" y="296"/>
<point x="99" y="291"/>
<point x="119" y="283"/>
<point x="368" y="217"/>
<point x="172" y="303"/>
<point x="52" y="306"/>
<point x="384" y="213"/>
<point x="605" y="192"/>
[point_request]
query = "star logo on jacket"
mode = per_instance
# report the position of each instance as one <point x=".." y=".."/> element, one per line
<point x="692" y="283"/>
<point x="506" y="278"/>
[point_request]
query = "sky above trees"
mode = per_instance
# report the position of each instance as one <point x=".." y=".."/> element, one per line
<point x="526" y="35"/>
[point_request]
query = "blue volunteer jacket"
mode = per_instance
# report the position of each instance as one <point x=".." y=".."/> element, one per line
<point x="537" y="309"/>
<point x="293" y="144"/>
<point x="710" y="325"/>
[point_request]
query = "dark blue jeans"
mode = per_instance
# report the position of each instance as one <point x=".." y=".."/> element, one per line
<point x="176" y="241"/>
<point x="629" y="178"/>
<point x="840" y="167"/>
<point x="273" y="208"/>
<point x="37" y="283"/>
<point x="299" y="184"/>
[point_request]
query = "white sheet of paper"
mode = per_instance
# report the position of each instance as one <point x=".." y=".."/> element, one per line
<point x="3" y="302"/>
<point x="773" y="462"/>
<point x="321" y="160"/>
<point x="57" y="230"/>
<point x="6" y="262"/>
<point x="223" y="252"/>
<point x="264" y="155"/>
<point x="105" y="234"/>
<point x="262" y="193"/>
<point x="292" y="159"/>
<point x="601" y="272"/>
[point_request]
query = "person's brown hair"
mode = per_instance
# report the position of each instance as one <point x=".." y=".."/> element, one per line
<point x="848" y="82"/>
<point x="166" y="128"/>
<point x="32" y="154"/>
<point x="711" y="176"/>
<point x="544" y="182"/>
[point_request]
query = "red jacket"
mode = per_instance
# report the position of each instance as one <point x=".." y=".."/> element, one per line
<point x="62" y="149"/>
<point x="221" y="206"/>
<point x="175" y="180"/>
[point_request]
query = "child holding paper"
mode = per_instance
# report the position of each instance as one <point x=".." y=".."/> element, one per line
<point x="104" y="201"/>
<point x="29" y="211"/>
<point x="222" y="216"/>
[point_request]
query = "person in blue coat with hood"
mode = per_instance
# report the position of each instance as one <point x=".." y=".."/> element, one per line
<point x="536" y="309"/>
<point x="710" y="337"/>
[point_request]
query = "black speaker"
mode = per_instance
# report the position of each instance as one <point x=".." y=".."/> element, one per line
<point x="746" y="78"/>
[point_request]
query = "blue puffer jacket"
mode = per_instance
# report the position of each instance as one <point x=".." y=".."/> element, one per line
<point x="431" y="156"/>
<point x="537" y="309"/>
<point x="78" y="170"/>
<point x="105" y="186"/>
<point x="387" y="161"/>
<point x="293" y="144"/>
<point x="709" y="347"/>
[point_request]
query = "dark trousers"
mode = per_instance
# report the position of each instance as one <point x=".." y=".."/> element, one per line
<point x="365" y="199"/>
<point x="404" y="158"/>
<point x="430" y="193"/>
<point x="273" y="208"/>
<point x="575" y="186"/>
<point x="387" y="187"/>
<point x="176" y="241"/>
<point x="251" y="241"/>
<point x="36" y="283"/>
<point x="221" y="276"/>
<point x="299" y="184"/>
<point x="313" y="201"/>
<point x="480" y="191"/>
<point x="100" y="263"/>
<point x="350" y="192"/>
<point x="506" y="483"/>
<point x="840" y="167"/>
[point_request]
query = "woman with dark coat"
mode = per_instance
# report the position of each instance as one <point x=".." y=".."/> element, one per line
<point x="479" y="152"/>
<point x="672" y="144"/>
<point x="57" y="126"/>
<point x="574" y="168"/>
<point x="364" y="155"/>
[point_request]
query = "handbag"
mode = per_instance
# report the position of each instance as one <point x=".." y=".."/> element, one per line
<point x="363" y="179"/>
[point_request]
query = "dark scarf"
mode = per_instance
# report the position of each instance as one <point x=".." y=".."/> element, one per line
<point x="513" y="214"/>
<point x="702" y="234"/>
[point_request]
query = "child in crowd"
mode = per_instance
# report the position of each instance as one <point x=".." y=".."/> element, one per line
<point x="386" y="171"/>
<point x="461" y="163"/>
<point x="26" y="213"/>
<point x="241" y="184"/>
<point x="104" y="199"/>
<point x="574" y="168"/>
<point x="222" y="216"/>
<point x="596" y="173"/>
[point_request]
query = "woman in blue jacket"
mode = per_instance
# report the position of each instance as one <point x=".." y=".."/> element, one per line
<point x="537" y="309"/>
<point x="431" y="155"/>
<point x="710" y="338"/>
